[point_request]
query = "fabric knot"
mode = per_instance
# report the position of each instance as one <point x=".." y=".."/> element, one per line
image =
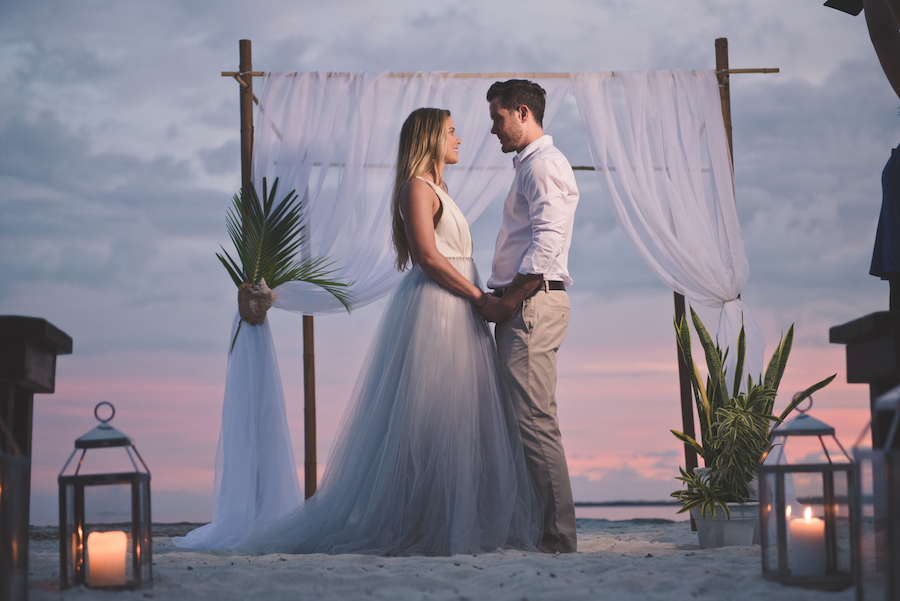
<point x="254" y="302"/>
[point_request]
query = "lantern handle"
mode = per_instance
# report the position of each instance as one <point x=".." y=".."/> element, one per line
<point x="100" y="419"/>
<point x="803" y="411"/>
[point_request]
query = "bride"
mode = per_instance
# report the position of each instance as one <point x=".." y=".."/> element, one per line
<point x="428" y="459"/>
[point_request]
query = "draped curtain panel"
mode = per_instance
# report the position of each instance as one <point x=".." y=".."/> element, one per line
<point x="256" y="476"/>
<point x="658" y="143"/>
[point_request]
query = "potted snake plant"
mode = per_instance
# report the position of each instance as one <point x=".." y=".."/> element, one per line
<point x="734" y="433"/>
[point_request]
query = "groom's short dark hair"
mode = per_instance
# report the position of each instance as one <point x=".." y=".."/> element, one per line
<point x="513" y="93"/>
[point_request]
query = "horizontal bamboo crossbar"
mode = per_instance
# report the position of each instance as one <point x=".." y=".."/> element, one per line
<point x="237" y="74"/>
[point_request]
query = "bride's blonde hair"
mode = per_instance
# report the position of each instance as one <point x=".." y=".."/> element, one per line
<point x="423" y="139"/>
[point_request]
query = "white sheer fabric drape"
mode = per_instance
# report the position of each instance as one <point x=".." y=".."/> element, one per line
<point x="256" y="477"/>
<point x="658" y="143"/>
<point x="334" y="140"/>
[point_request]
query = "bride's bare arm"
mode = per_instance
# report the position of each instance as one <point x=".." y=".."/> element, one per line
<point x="419" y="204"/>
<point x="882" y="19"/>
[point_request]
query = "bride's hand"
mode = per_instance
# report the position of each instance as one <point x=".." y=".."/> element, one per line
<point x="490" y="308"/>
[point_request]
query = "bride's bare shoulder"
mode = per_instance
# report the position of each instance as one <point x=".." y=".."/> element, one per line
<point x="417" y="190"/>
<point x="416" y="184"/>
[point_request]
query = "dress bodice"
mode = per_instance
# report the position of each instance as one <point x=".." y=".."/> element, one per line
<point x="451" y="234"/>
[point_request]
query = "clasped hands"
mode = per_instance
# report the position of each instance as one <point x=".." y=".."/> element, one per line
<point x="494" y="309"/>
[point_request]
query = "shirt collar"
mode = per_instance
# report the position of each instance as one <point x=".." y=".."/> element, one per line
<point x="542" y="142"/>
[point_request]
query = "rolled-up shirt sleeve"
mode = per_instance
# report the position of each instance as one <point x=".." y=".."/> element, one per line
<point x="547" y="187"/>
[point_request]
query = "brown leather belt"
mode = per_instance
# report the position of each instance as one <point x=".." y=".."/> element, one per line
<point x="546" y="285"/>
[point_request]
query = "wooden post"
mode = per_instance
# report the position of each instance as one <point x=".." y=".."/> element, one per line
<point x="725" y="90"/>
<point x="28" y="350"/>
<point x="687" y="407"/>
<point x="246" y="79"/>
<point x="687" y="399"/>
<point x="309" y="407"/>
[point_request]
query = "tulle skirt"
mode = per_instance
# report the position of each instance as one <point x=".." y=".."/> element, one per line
<point x="428" y="459"/>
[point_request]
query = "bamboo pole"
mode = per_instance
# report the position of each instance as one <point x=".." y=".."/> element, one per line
<point x="723" y="74"/>
<point x="687" y="406"/>
<point x="236" y="74"/>
<point x="309" y="408"/>
<point x="245" y="78"/>
<point x="246" y="95"/>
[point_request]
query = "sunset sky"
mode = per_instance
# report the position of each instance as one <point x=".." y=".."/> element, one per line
<point x="119" y="156"/>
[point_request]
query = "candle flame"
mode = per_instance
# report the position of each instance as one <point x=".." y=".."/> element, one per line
<point x="807" y="514"/>
<point x="787" y="512"/>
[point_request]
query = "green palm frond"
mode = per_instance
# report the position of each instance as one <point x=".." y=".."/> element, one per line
<point x="267" y="237"/>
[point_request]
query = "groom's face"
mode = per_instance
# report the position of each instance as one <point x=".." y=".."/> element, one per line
<point x="507" y="127"/>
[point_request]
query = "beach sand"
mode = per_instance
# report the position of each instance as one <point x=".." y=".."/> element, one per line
<point x="634" y="559"/>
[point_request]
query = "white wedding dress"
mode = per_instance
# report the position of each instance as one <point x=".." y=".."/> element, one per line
<point x="428" y="459"/>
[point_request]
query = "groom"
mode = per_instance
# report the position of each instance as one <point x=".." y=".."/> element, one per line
<point x="529" y="303"/>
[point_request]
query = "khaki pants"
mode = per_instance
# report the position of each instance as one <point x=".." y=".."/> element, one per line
<point x="527" y="343"/>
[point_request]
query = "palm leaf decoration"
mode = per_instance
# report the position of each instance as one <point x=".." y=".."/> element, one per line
<point x="267" y="237"/>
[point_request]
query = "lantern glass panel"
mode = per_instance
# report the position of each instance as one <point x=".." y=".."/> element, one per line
<point x="70" y="532"/>
<point x="107" y="508"/>
<point x="768" y="521"/>
<point x="108" y="505"/>
<point x="873" y="557"/>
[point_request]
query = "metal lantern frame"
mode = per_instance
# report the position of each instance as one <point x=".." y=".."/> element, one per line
<point x="779" y="570"/>
<point x="878" y="571"/>
<point x="73" y="531"/>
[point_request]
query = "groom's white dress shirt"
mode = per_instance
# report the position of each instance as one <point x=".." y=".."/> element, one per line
<point x="538" y="217"/>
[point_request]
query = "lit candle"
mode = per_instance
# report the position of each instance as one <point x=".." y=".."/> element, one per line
<point x="807" y="545"/>
<point x="106" y="558"/>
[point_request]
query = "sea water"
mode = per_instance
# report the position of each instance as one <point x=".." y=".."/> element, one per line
<point x="631" y="512"/>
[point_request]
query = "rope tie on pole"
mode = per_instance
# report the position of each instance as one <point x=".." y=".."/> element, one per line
<point x="237" y="77"/>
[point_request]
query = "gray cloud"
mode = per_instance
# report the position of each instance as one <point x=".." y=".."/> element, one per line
<point x="117" y="235"/>
<point x="221" y="160"/>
